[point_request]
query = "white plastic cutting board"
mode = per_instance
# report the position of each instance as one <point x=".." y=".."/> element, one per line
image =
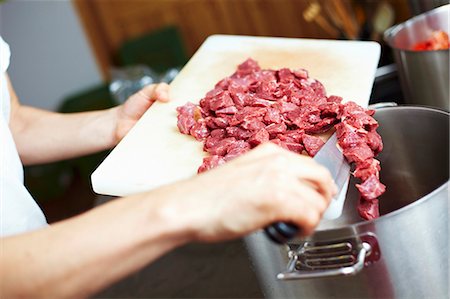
<point x="154" y="153"/>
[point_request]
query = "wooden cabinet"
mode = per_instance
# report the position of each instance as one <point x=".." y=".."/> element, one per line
<point x="108" y="23"/>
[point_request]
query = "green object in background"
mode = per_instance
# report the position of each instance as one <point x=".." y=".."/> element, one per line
<point x="160" y="50"/>
<point x="95" y="98"/>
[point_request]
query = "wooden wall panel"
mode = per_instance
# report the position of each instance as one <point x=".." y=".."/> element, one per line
<point x="109" y="23"/>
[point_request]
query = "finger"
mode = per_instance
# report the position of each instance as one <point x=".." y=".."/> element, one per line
<point x="296" y="202"/>
<point x="307" y="193"/>
<point x="302" y="213"/>
<point x="300" y="166"/>
<point x="304" y="191"/>
<point x="315" y="174"/>
<point x="304" y="168"/>
<point x="162" y="92"/>
<point x="147" y="92"/>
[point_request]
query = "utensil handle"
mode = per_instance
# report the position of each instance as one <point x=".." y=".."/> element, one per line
<point x="293" y="274"/>
<point x="281" y="232"/>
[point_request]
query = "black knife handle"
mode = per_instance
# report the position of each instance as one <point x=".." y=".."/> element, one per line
<point x="281" y="232"/>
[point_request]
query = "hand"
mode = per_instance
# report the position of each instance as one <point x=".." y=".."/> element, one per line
<point x="266" y="185"/>
<point x="136" y="105"/>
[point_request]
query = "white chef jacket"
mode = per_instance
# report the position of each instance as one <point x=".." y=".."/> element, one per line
<point x="18" y="210"/>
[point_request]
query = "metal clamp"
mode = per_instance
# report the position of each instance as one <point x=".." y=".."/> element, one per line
<point x="343" y="257"/>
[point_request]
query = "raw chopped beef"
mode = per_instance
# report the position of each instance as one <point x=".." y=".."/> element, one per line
<point x="438" y="40"/>
<point x="288" y="108"/>
<point x="312" y="144"/>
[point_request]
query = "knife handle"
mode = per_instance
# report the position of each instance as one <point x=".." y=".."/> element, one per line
<point x="281" y="232"/>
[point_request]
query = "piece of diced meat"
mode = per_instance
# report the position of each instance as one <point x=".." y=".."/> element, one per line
<point x="301" y="73"/>
<point x="374" y="141"/>
<point x="351" y="108"/>
<point x="368" y="209"/>
<point x="348" y="136"/>
<point x="238" y="87"/>
<point x="366" y="169"/>
<point x="259" y="137"/>
<point x="334" y="99"/>
<point x="266" y="89"/>
<point x="295" y="147"/>
<point x="238" y="133"/>
<point x="273" y="115"/>
<point x="312" y="144"/>
<point x="319" y="90"/>
<point x="221" y="122"/>
<point x="223" y="100"/>
<point x="252" y="124"/>
<point x="285" y="75"/>
<point x="227" y="110"/>
<point x="218" y="133"/>
<point x="247" y="113"/>
<point x="219" y="147"/>
<point x="292" y="136"/>
<point x="236" y="149"/>
<point x="289" y="145"/>
<point x="362" y="121"/>
<point x="217" y="91"/>
<point x="223" y="84"/>
<point x="324" y="125"/>
<point x="199" y="130"/>
<point x="371" y="188"/>
<point x="330" y="109"/>
<point x="358" y="153"/>
<point x="186" y="117"/>
<point x="211" y="162"/>
<point x="259" y="102"/>
<point x="247" y="67"/>
<point x="275" y="129"/>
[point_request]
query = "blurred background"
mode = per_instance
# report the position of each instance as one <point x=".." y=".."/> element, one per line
<point x="80" y="55"/>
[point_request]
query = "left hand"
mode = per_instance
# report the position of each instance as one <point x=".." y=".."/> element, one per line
<point x="136" y="105"/>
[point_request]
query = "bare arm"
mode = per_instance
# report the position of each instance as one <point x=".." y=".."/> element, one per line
<point x="80" y="256"/>
<point x="43" y="136"/>
<point x="77" y="257"/>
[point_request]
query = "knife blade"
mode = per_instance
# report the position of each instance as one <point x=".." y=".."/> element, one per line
<point x="332" y="158"/>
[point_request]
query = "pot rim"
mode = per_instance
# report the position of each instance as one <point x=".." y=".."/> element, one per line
<point x="407" y="207"/>
<point x="392" y="31"/>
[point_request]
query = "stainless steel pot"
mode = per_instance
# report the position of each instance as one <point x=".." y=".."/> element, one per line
<point x="424" y="75"/>
<point x="402" y="254"/>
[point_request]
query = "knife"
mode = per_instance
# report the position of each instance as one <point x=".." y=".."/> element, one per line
<point x="332" y="158"/>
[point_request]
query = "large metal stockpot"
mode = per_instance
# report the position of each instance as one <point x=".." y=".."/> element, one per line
<point x="424" y="75"/>
<point x="402" y="254"/>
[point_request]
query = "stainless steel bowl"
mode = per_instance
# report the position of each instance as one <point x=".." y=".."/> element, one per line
<point x="402" y="254"/>
<point x="424" y="74"/>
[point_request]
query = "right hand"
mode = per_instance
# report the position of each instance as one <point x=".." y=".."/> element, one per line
<point x="266" y="185"/>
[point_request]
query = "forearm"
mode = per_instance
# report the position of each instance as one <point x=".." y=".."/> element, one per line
<point x="78" y="257"/>
<point x="43" y="136"/>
